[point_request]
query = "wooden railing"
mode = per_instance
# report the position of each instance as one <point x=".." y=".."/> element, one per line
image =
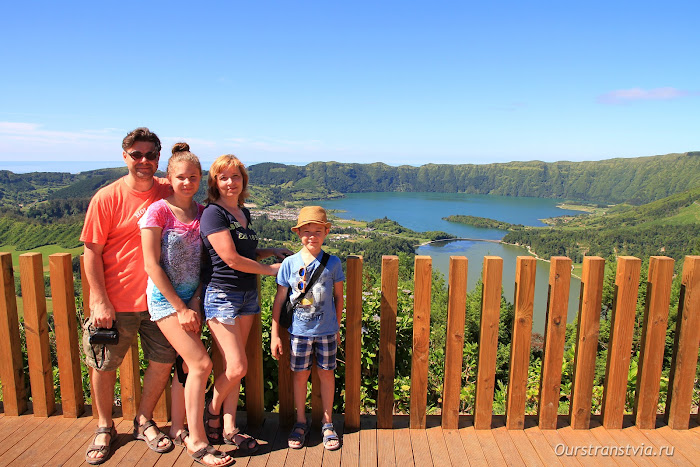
<point x="682" y="375"/>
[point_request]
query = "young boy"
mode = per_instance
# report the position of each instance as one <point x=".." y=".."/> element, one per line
<point x="316" y="322"/>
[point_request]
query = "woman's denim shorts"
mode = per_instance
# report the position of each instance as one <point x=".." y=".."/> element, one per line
<point x="227" y="306"/>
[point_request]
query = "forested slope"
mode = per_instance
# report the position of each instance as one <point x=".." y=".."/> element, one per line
<point x="670" y="227"/>
<point x="635" y="180"/>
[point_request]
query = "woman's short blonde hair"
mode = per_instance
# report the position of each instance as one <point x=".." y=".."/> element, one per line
<point x="219" y="165"/>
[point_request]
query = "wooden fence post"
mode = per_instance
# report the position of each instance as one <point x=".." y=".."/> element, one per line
<point x="653" y="341"/>
<point x="14" y="395"/>
<point x="353" y="342"/>
<point x="130" y="381"/>
<point x="36" y="327"/>
<point x="488" y="341"/>
<point x="555" y="335"/>
<point x="619" y="348"/>
<point x="254" y="387"/>
<point x="285" y="382"/>
<point x="586" y="341"/>
<point x="316" y="407"/>
<point x="387" y="341"/>
<point x="66" y="323"/>
<point x="525" y="271"/>
<point x="421" y="341"/>
<point x="685" y="349"/>
<point x="86" y="314"/>
<point x="454" y="345"/>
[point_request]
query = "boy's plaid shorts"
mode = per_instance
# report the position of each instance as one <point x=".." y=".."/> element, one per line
<point x="302" y="347"/>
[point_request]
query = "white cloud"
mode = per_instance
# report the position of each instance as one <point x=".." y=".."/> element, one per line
<point x="622" y="96"/>
<point x="26" y="137"/>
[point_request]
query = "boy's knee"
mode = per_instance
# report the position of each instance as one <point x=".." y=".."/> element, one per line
<point x="326" y="375"/>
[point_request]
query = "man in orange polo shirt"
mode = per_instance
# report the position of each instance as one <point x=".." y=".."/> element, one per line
<point x="115" y="270"/>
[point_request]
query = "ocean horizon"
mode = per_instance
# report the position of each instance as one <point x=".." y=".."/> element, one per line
<point x="74" y="167"/>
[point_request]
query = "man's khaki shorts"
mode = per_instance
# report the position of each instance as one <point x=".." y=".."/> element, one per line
<point x="155" y="346"/>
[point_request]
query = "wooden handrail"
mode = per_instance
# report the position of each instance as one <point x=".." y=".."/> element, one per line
<point x="683" y="367"/>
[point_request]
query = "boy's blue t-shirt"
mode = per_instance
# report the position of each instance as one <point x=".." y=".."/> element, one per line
<point x="315" y="315"/>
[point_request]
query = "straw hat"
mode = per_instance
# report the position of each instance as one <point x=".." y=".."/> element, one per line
<point x="312" y="215"/>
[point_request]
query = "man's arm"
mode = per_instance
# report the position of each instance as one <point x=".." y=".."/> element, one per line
<point x="101" y="309"/>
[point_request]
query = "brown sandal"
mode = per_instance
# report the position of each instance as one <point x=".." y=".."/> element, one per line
<point x="105" y="449"/>
<point x="140" y="433"/>
<point x="179" y="440"/>
<point x="198" y="456"/>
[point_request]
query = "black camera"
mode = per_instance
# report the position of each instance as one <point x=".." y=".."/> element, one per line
<point x="107" y="336"/>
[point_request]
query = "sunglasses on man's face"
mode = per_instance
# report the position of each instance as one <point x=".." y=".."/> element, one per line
<point x="138" y="155"/>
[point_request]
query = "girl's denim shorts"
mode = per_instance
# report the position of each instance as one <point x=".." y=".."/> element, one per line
<point x="227" y="306"/>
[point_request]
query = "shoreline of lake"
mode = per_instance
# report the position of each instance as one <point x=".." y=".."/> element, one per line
<point x="423" y="212"/>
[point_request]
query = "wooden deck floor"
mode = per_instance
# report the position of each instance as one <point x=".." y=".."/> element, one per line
<point x="54" y="441"/>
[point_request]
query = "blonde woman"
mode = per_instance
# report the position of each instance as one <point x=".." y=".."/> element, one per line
<point x="231" y="297"/>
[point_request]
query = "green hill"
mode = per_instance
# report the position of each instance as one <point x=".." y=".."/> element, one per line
<point x="635" y="180"/>
<point x="47" y="208"/>
<point x="670" y="227"/>
<point x="88" y="183"/>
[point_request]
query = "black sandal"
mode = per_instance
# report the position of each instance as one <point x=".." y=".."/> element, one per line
<point x="296" y="440"/>
<point x="244" y="447"/>
<point x="213" y="430"/>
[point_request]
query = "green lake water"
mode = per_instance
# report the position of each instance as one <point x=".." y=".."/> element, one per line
<point x="424" y="211"/>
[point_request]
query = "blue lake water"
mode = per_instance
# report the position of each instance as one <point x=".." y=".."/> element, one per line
<point x="424" y="211"/>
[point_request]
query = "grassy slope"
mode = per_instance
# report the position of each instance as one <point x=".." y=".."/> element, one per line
<point x="45" y="252"/>
<point x="668" y="226"/>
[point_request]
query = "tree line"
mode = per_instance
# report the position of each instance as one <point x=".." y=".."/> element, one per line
<point x="635" y="180"/>
<point x="667" y="227"/>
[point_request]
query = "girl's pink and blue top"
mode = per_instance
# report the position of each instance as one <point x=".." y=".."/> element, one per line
<point x="180" y="256"/>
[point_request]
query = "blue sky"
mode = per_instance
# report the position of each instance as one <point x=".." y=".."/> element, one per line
<point x="392" y="81"/>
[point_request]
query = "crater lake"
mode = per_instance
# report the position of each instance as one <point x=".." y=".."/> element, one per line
<point x="425" y="211"/>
